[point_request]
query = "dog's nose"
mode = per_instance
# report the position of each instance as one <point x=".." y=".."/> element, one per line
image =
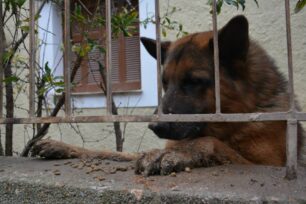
<point x="160" y="129"/>
<point x="153" y="126"/>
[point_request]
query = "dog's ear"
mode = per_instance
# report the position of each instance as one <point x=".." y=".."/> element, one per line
<point x="150" y="46"/>
<point x="233" y="40"/>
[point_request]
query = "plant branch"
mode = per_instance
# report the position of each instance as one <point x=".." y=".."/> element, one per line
<point x="44" y="129"/>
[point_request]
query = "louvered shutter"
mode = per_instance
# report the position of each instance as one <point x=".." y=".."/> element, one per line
<point x="126" y="75"/>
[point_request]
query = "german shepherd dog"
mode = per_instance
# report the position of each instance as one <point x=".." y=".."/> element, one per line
<point x="249" y="82"/>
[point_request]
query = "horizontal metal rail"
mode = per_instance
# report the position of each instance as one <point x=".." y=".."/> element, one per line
<point x="235" y="117"/>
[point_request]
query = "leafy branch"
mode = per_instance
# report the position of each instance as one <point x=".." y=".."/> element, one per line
<point x="241" y="3"/>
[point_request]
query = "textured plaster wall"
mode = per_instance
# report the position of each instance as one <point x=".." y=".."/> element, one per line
<point x="267" y="26"/>
<point x="97" y="135"/>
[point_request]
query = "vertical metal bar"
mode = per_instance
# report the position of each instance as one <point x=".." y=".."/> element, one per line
<point x="67" y="59"/>
<point x="1" y="60"/>
<point x="291" y="123"/>
<point x="289" y="54"/>
<point x="158" y="57"/>
<point x="291" y="164"/>
<point x="109" y="98"/>
<point x="32" y="59"/>
<point x="216" y="58"/>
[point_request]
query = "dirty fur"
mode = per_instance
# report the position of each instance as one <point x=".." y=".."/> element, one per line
<point x="249" y="83"/>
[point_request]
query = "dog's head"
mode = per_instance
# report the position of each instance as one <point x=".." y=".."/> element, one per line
<point x="188" y="76"/>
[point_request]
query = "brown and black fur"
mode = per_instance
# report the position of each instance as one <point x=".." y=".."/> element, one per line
<point x="249" y="82"/>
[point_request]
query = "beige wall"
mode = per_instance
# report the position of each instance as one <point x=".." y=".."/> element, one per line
<point x="267" y="26"/>
<point x="97" y="136"/>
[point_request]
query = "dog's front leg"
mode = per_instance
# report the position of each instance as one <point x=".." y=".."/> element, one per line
<point x="200" y="152"/>
<point x="51" y="149"/>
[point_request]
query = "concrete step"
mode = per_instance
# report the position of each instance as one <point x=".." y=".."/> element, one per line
<point x="25" y="180"/>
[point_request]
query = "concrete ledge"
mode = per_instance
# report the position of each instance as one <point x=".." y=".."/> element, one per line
<point x="74" y="181"/>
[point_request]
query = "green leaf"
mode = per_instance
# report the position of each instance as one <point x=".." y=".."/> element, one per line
<point x="59" y="90"/>
<point x="25" y="28"/>
<point x="299" y="5"/>
<point x="164" y="32"/>
<point x="47" y="69"/>
<point x="59" y="84"/>
<point x="20" y="3"/>
<point x="11" y="79"/>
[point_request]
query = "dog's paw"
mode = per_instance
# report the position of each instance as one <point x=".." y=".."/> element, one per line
<point x="51" y="149"/>
<point x="162" y="162"/>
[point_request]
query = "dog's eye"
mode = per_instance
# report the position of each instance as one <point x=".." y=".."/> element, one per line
<point x="195" y="83"/>
<point x="198" y="81"/>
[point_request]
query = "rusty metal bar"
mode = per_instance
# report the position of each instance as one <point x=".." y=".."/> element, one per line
<point x="32" y="59"/>
<point x="1" y="60"/>
<point x="291" y="140"/>
<point x="289" y="56"/>
<point x="109" y="99"/>
<point x="67" y="59"/>
<point x="216" y="57"/>
<point x="237" y="117"/>
<point x="158" y="58"/>
<point x="291" y="164"/>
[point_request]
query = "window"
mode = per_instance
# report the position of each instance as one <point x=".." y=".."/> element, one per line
<point x="126" y="75"/>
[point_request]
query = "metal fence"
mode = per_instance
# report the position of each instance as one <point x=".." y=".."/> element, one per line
<point x="292" y="116"/>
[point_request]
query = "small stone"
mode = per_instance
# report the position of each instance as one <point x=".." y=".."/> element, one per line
<point x="56" y="164"/>
<point x="121" y="168"/>
<point x="173" y="174"/>
<point x="175" y="188"/>
<point x="97" y="163"/>
<point x="253" y="181"/>
<point x="68" y="162"/>
<point x="215" y="173"/>
<point x="99" y="178"/>
<point x="1" y="170"/>
<point x="56" y="172"/>
<point x="75" y="166"/>
<point x="113" y="170"/>
<point x="188" y="169"/>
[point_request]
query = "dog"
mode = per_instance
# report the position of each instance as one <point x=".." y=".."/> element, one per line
<point x="250" y="82"/>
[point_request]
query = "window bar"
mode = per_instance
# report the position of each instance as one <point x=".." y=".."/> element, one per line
<point x="216" y="57"/>
<point x="230" y="118"/>
<point x="158" y="57"/>
<point x="291" y="138"/>
<point x="67" y="59"/>
<point x="32" y="60"/>
<point x="109" y="99"/>
<point x="1" y="61"/>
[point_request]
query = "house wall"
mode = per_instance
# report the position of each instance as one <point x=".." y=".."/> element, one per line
<point x="267" y="26"/>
